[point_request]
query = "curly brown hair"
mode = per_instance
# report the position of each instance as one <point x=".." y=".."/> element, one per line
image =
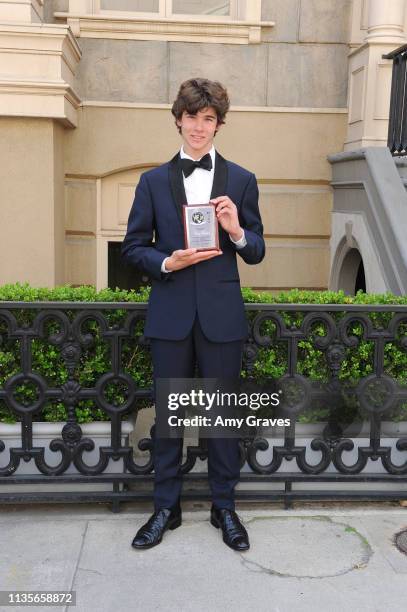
<point x="197" y="94"/>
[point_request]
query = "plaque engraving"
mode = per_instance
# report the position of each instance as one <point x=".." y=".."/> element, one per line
<point x="201" y="227"/>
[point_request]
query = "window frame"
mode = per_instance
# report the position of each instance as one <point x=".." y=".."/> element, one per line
<point x="238" y="10"/>
<point x="243" y="25"/>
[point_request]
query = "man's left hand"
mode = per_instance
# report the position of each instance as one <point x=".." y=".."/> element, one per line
<point x="226" y="212"/>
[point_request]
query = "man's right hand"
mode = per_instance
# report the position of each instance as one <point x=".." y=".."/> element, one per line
<point x="188" y="257"/>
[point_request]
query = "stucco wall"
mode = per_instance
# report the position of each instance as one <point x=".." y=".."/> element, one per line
<point x="32" y="201"/>
<point x="295" y="196"/>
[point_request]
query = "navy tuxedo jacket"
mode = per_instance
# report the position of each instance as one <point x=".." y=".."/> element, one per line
<point x="210" y="288"/>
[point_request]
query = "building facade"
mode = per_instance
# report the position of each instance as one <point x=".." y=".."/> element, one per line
<point x="86" y="88"/>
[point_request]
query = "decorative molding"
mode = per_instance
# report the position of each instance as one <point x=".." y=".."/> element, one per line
<point x="80" y="233"/>
<point x="357" y="94"/>
<point x="26" y="11"/>
<point x="298" y="236"/>
<point x="386" y="21"/>
<point x="46" y="100"/>
<point x="293" y="185"/>
<point x="38" y="88"/>
<point x="368" y="141"/>
<point x="36" y="37"/>
<point x="167" y="29"/>
<point x="236" y="109"/>
<point x="324" y="184"/>
<point x="42" y="84"/>
<point x="374" y="43"/>
<point x="382" y="87"/>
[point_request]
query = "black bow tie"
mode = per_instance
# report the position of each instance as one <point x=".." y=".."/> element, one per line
<point x="189" y="165"/>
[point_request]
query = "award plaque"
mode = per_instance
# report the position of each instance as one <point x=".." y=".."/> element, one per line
<point x="201" y="227"/>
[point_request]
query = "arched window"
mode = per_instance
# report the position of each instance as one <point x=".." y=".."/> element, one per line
<point x="352" y="273"/>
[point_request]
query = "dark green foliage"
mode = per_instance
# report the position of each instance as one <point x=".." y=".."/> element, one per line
<point x="271" y="362"/>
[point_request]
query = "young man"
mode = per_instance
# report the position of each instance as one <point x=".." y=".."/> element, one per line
<point x="196" y="313"/>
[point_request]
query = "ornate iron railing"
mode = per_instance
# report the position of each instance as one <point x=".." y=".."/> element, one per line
<point x="378" y="395"/>
<point x="397" y="132"/>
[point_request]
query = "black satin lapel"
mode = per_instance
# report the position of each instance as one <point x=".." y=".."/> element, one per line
<point x="220" y="177"/>
<point x="177" y="186"/>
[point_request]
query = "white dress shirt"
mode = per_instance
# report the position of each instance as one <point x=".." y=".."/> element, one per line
<point x="198" y="188"/>
<point x="198" y="185"/>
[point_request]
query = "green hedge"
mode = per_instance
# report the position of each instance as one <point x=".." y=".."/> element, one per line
<point x="271" y="363"/>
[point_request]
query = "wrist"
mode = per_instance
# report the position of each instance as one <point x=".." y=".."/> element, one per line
<point x="168" y="264"/>
<point x="236" y="234"/>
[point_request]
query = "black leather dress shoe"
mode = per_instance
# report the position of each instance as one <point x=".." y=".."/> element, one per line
<point x="234" y="534"/>
<point x="152" y="532"/>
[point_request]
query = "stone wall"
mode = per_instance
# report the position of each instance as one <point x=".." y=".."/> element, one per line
<point x="32" y="201"/>
<point x="302" y="62"/>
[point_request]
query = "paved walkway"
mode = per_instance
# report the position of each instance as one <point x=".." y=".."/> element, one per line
<point x="329" y="557"/>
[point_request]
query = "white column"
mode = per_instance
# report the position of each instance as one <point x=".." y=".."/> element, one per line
<point x="370" y="74"/>
<point x="386" y="21"/>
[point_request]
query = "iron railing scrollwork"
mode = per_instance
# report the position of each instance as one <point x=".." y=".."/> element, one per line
<point x="377" y="395"/>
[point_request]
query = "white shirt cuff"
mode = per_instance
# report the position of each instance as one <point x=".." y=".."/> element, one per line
<point x="163" y="268"/>
<point x="239" y="243"/>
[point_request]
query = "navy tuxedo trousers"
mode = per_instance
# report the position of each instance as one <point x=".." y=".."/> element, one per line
<point x="177" y="359"/>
